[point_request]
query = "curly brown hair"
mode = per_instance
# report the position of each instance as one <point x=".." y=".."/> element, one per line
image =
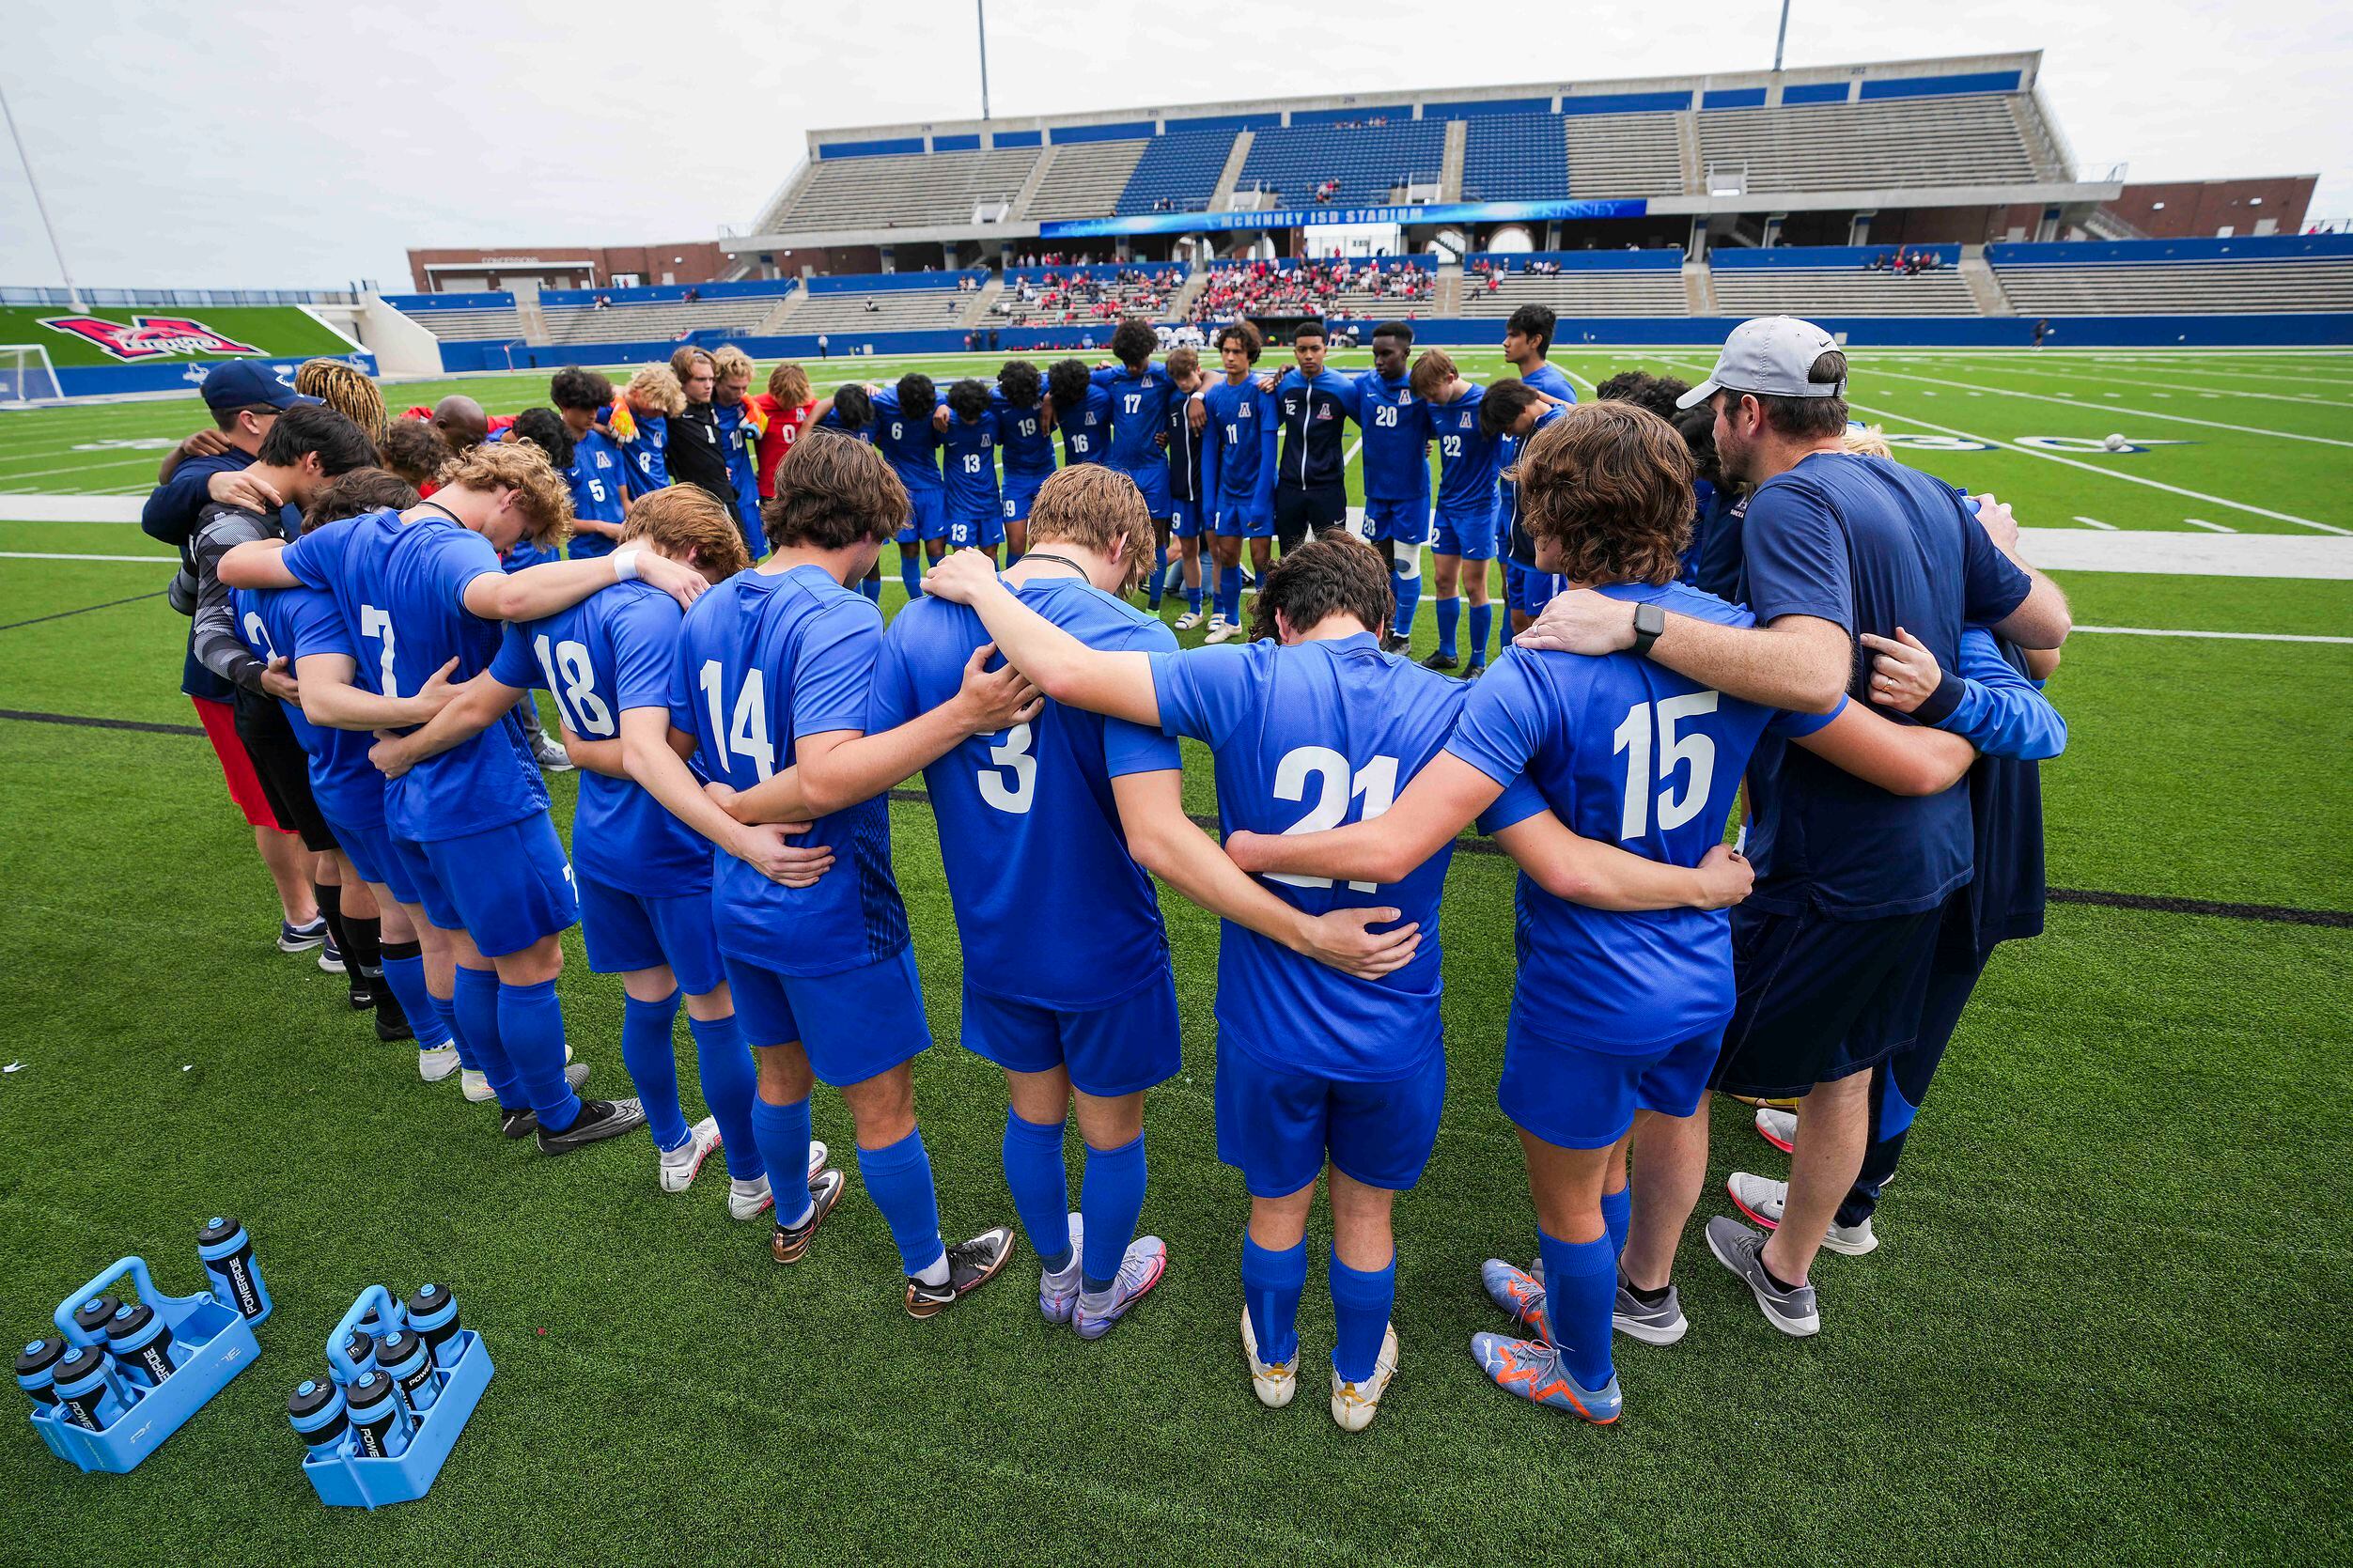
<point x="690" y="525"/>
<point x="345" y="388"/>
<point x="1094" y="507"/>
<point x="834" y="492"/>
<point x="521" y="467"/>
<point x="1610" y="483"/>
<point x="413" y="449"/>
<point x="356" y="494"/>
<point x="1335" y="574"/>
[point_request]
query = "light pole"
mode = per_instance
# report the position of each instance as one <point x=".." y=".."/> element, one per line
<point x="1779" y="38"/>
<point x="73" y="295"/>
<point x="982" y="7"/>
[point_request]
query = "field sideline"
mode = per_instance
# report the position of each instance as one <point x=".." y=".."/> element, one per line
<point x="2097" y="1327"/>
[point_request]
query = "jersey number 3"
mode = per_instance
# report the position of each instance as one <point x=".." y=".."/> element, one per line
<point x="1015" y="788"/>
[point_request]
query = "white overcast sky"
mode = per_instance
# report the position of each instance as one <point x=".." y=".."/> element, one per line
<point x="252" y="145"/>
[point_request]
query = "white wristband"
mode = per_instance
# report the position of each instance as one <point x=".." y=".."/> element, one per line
<point x="624" y="564"/>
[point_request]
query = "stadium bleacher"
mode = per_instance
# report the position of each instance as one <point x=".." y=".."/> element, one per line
<point x="902" y="301"/>
<point x="1181" y="168"/>
<point x="929" y="187"/>
<point x="624" y="322"/>
<point x="1371" y="154"/>
<point x="1085" y="179"/>
<point x="1975" y="139"/>
<point x="1589" y="283"/>
<point x="1834" y="280"/>
<point x="1513" y="157"/>
<point x="462" y="318"/>
<point x="2237" y="277"/>
<point x="1085" y="295"/>
<point x="1624" y="155"/>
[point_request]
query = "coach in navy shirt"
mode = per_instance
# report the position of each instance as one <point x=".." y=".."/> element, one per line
<point x="1833" y="948"/>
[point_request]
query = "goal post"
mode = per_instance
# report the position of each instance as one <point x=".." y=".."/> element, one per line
<point x="26" y="374"/>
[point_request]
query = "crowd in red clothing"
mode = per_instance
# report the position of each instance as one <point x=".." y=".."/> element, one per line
<point x="1091" y="297"/>
<point x="1318" y="288"/>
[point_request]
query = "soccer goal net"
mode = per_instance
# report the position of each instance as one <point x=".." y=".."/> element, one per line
<point x="26" y="374"/>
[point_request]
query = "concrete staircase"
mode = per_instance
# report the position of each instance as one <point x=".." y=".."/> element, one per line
<point x="1695" y="166"/>
<point x="1180" y="303"/>
<point x="1699" y="289"/>
<point x="774" y="322"/>
<point x="527" y="311"/>
<point x="1446" y="298"/>
<point x="1450" y="174"/>
<point x="1223" y="196"/>
<point x="977" y="311"/>
<point x="1984" y="287"/>
<point x="1020" y="209"/>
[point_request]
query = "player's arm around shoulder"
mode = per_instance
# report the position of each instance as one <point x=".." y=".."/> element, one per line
<point x="1063" y="667"/>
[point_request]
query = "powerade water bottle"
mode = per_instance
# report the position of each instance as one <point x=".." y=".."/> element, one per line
<point x="403" y="1358"/>
<point x="360" y="1346"/>
<point x="380" y="1428"/>
<point x="316" y="1412"/>
<point x="89" y="1394"/>
<point x="36" y="1370"/>
<point x="228" y="1257"/>
<point x="433" y="1314"/>
<point x="142" y="1344"/>
<point x="92" y="1317"/>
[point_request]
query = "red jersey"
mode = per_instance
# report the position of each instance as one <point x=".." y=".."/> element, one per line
<point x="784" y="427"/>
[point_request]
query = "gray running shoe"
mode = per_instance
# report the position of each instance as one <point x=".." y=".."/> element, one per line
<point x="1145" y="1261"/>
<point x="1637" y="1319"/>
<point x="1764" y="1200"/>
<point x="1741" y="1250"/>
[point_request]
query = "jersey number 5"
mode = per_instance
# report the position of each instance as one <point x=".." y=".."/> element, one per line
<point x="1376" y="782"/>
<point x="1699" y="750"/>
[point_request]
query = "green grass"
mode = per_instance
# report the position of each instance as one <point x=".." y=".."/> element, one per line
<point x="2099" y="1326"/>
<point x="272" y="331"/>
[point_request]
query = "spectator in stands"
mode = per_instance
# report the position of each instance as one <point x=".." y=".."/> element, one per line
<point x="347" y="389"/>
<point x="690" y="295"/>
<point x="871" y="307"/>
<point x="416" y="452"/>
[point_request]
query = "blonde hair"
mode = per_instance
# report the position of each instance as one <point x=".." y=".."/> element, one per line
<point x="347" y="390"/>
<point x="788" y="385"/>
<point x="727" y="360"/>
<point x="689" y="524"/>
<point x="655" y="390"/>
<point x="1094" y="507"/>
<point x="520" y="466"/>
<point x="1868" y="441"/>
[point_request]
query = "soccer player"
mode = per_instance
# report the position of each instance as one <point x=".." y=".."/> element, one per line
<point x="1836" y="939"/>
<point x="1238" y="466"/>
<point x="1141" y="395"/>
<point x="1527" y="341"/>
<point x="461" y="421"/>
<point x="772" y="684"/>
<point x="905" y="434"/>
<point x="976" y="516"/>
<point x="1081" y="409"/>
<point x="1398" y="433"/>
<point x="695" y="449"/>
<point x="1509" y="413"/>
<point x="415" y="453"/>
<point x="1463" y="541"/>
<point x="1314" y="1065"/>
<point x="470" y="823"/>
<point x="1025" y="437"/>
<point x="1186" y="524"/>
<point x="595" y="477"/>
<point x="742" y="426"/>
<point x="643" y="427"/>
<point x="1310" y="487"/>
<point x="788" y="408"/>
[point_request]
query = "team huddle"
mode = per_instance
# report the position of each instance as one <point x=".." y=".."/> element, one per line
<point x="1866" y="661"/>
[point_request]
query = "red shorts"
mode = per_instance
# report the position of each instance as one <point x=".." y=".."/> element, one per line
<point x="244" y="785"/>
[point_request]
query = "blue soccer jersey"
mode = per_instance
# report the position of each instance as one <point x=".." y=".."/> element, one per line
<point x="1312" y="416"/>
<point x="1237" y="462"/>
<point x="742" y="438"/>
<point x="1306" y="738"/>
<point x="1085" y="429"/>
<point x="1139" y="416"/>
<point x="401" y="585"/>
<point x="648" y="454"/>
<point x="908" y="444"/>
<point x="1628" y="753"/>
<point x="1050" y="910"/>
<point x="1027" y="445"/>
<point x="1466" y="460"/>
<point x="296" y="623"/>
<point x="972" y="472"/>
<point x="1523" y="544"/>
<point x="596" y="481"/>
<point x="613" y="651"/>
<point x="764" y="659"/>
<point x="1397" y="426"/>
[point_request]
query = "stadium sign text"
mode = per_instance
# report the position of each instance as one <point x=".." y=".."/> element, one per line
<point x="145" y="337"/>
<point x="1315" y="217"/>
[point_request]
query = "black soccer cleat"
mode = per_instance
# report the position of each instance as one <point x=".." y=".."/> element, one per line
<point x="365" y="988"/>
<point x="970" y="1264"/>
<point x="791" y="1242"/>
<point x="598" y="1121"/>
<point x="517" y="1124"/>
<point x="1395" y="643"/>
<point x="1473" y="672"/>
<point x="392" y="1020"/>
<point x="1439" y="662"/>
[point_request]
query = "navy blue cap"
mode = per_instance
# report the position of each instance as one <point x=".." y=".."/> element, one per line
<point x="242" y="384"/>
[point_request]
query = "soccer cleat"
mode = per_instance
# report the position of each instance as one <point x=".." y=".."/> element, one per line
<point x="1273" y="1382"/>
<point x="970" y="1264"/>
<point x="750" y="1200"/>
<point x="1396" y="642"/>
<point x="790" y="1243"/>
<point x="1473" y="672"/>
<point x="1532" y="1369"/>
<point x="1146" y="1262"/>
<point x="1519" y="1292"/>
<point x="1222" y="631"/>
<point x="598" y="1121"/>
<point x="1793" y="1310"/>
<point x="679" y="1167"/>
<point x="1778" y="1127"/>
<point x="301" y="939"/>
<point x="392" y="1023"/>
<point x="1058" y="1294"/>
<point x="523" y="1123"/>
<point x="549" y="756"/>
<point x="475" y="1084"/>
<point x="365" y="988"/>
<point x="1441" y="661"/>
<point x="1662" y="1323"/>
<point x="329" y="955"/>
<point x="1764" y="1200"/>
<point x="436" y="1063"/>
<point x="1189" y="619"/>
<point x="1355" y="1405"/>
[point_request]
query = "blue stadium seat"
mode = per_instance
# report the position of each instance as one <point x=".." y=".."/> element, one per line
<point x="1515" y="158"/>
<point x="1368" y="160"/>
<point x="1182" y="167"/>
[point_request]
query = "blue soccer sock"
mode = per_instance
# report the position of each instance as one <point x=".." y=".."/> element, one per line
<point x="531" y="1026"/>
<point x="1192" y="597"/>
<point x="910" y="572"/>
<point x="899" y="1179"/>
<point x="476" y="1019"/>
<point x="1409" y="593"/>
<point x="404" y="971"/>
<point x="1160" y="574"/>
<point x="725" y="1065"/>
<point x="649" y="1055"/>
<point x="1111" y="1199"/>
<point x="1271" y="1286"/>
<point x="1617" y="1210"/>
<point x="1579" y="1291"/>
<point x="1040" y="1185"/>
<point x="1360" y="1300"/>
<point x="1229" y="594"/>
<point x="1482" y="628"/>
<point x="781" y="1133"/>
<point x="872" y="588"/>
<point x="446" y="1009"/>
<point x="1449" y="612"/>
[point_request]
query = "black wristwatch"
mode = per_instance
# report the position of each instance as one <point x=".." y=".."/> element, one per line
<point x="1649" y="621"/>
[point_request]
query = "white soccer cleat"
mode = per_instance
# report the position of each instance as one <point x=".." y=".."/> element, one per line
<point x="1273" y="1382"/>
<point x="1764" y="1200"/>
<point x="749" y="1200"/>
<point x="1189" y="619"/>
<point x="1778" y="1127"/>
<point x="679" y="1167"/>
<point x="436" y="1063"/>
<point x="1222" y="631"/>
<point x="474" y="1084"/>
<point x="1355" y="1405"/>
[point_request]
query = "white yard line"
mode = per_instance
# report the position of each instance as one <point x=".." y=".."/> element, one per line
<point x="2044" y="370"/>
<point x="79" y="468"/>
<point x="2209" y="527"/>
<point x="2094" y="522"/>
<point x="2229" y="636"/>
<point x="2105" y="407"/>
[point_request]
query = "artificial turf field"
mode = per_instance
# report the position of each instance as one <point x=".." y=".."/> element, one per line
<point x="2103" y="1323"/>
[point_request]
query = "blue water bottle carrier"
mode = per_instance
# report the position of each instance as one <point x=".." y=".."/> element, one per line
<point x="208" y="1343"/>
<point x="383" y="1441"/>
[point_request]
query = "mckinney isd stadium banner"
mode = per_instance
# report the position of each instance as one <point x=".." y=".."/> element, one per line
<point x="1313" y="217"/>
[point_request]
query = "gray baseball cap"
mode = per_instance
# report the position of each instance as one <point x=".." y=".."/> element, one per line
<point x="1769" y="355"/>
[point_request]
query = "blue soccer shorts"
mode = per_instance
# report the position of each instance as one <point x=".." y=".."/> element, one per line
<point x="1527" y="590"/>
<point x="1466" y="531"/>
<point x="972" y="527"/>
<point x="1117" y="1049"/>
<point x="1020" y="493"/>
<point x="1240" y="520"/>
<point x="371" y="853"/>
<point x="625" y="931"/>
<point x="854" y="1025"/>
<point x="1277" y="1127"/>
<point x="1404" y="522"/>
<point x="928" y="519"/>
<point x="1575" y="1097"/>
<point x="1184" y="519"/>
<point x="506" y="887"/>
